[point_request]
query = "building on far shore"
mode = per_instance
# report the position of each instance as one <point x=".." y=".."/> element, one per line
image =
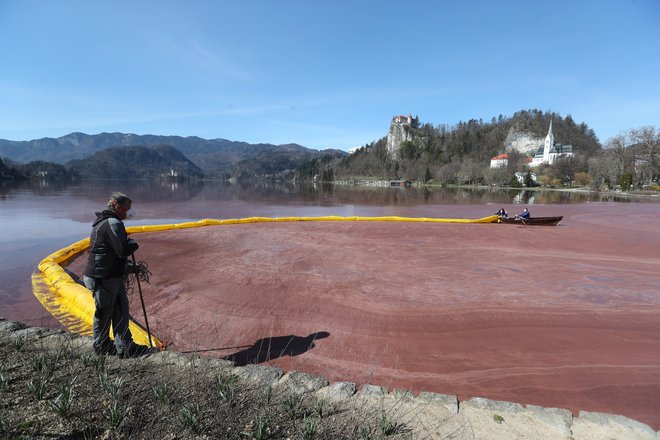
<point x="499" y="161"/>
<point x="549" y="152"/>
<point x="406" y="120"/>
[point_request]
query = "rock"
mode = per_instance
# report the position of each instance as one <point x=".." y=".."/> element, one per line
<point x="400" y="394"/>
<point x="491" y="405"/>
<point x="171" y="358"/>
<point x="508" y="421"/>
<point x="593" y="425"/>
<point x="222" y="364"/>
<point x="395" y="137"/>
<point x="302" y="383"/>
<point x="259" y="374"/>
<point x="368" y="391"/>
<point x="10" y="326"/>
<point x="448" y="401"/>
<point x="558" y="420"/>
<point x="337" y="391"/>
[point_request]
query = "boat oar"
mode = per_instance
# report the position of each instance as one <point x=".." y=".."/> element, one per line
<point x="146" y="321"/>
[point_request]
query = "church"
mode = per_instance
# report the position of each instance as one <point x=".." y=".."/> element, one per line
<point x="549" y="152"/>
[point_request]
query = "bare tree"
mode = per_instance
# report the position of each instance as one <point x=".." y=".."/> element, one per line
<point x="648" y="139"/>
<point x="616" y="149"/>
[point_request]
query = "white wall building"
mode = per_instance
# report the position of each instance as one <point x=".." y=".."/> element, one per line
<point x="501" y="160"/>
<point x="550" y="151"/>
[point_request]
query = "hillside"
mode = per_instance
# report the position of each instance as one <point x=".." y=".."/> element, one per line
<point x="134" y="163"/>
<point x="458" y="153"/>
<point x="8" y="172"/>
<point x="215" y="157"/>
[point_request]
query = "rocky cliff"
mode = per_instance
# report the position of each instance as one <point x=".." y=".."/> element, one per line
<point x="524" y="142"/>
<point x="396" y="136"/>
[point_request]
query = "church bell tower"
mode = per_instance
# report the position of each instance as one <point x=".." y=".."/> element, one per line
<point x="549" y="143"/>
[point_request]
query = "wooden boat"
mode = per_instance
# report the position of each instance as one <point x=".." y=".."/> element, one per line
<point x="534" y="221"/>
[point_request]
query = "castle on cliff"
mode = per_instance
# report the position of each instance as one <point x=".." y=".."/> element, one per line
<point x="406" y="120"/>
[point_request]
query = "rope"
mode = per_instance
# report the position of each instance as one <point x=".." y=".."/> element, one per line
<point x="142" y="273"/>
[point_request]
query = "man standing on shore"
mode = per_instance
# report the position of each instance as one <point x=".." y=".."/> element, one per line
<point x="109" y="249"/>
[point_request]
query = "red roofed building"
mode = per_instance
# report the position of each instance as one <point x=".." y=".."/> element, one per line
<point x="501" y="160"/>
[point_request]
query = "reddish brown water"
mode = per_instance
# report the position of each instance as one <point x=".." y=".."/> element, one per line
<point x="564" y="316"/>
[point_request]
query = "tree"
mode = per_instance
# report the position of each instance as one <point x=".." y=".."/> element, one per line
<point x="564" y="168"/>
<point x="427" y="175"/>
<point x="648" y="139"/>
<point x="529" y="181"/>
<point x="620" y="155"/>
<point x="582" y="178"/>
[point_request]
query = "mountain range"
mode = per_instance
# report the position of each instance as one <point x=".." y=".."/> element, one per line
<point x="214" y="157"/>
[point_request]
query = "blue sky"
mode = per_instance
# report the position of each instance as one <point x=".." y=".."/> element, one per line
<point x="319" y="73"/>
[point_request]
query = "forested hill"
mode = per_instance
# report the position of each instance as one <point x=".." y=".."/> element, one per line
<point x="134" y="163"/>
<point x="216" y="157"/>
<point x="450" y="153"/>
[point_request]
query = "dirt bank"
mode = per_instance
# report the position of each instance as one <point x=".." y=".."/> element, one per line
<point x="566" y="316"/>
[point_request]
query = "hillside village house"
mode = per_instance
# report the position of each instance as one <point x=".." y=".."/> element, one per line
<point x="501" y="160"/>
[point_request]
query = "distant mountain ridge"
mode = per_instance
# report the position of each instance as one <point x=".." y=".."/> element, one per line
<point x="136" y="162"/>
<point x="213" y="156"/>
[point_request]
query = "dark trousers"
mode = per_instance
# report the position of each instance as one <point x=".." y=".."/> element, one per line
<point x="111" y="308"/>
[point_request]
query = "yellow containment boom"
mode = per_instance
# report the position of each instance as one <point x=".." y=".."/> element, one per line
<point x="73" y="305"/>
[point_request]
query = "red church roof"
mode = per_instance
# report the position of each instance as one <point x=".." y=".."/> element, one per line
<point x="500" y="157"/>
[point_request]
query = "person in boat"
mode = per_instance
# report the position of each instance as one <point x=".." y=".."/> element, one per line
<point x="502" y="213"/>
<point x="109" y="249"/>
<point x="525" y="215"/>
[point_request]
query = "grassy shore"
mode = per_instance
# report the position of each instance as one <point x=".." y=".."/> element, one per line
<point x="52" y="386"/>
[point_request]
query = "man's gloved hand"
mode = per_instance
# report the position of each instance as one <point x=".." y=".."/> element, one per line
<point x="140" y="269"/>
<point x="132" y="246"/>
<point x="132" y="268"/>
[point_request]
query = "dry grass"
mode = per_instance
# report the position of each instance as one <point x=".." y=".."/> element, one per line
<point x="64" y="393"/>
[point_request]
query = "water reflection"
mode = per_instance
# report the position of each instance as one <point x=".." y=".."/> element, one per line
<point x="308" y="193"/>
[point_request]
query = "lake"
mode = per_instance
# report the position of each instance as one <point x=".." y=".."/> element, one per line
<point x="561" y="317"/>
<point x="39" y="217"/>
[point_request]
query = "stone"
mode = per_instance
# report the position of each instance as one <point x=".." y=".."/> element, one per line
<point x="492" y="405"/>
<point x="302" y="383"/>
<point x="395" y="137"/>
<point x="372" y="391"/>
<point x="447" y="400"/>
<point x="11" y="326"/>
<point x="264" y="375"/>
<point x="593" y="425"/>
<point x="558" y="420"/>
<point x="171" y="358"/>
<point x="400" y="394"/>
<point x="508" y="421"/>
<point x="222" y="364"/>
<point x="337" y="391"/>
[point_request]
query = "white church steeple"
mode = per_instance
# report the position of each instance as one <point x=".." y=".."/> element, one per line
<point x="549" y="143"/>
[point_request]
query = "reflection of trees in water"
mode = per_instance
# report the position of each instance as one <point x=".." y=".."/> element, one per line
<point x="41" y="187"/>
<point x="143" y="190"/>
<point x="297" y="193"/>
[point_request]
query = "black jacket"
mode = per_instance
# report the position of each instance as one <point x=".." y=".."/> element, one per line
<point x="109" y="247"/>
